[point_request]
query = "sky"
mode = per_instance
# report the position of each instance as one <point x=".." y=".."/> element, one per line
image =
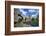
<point x="31" y="12"/>
<point x="27" y="12"/>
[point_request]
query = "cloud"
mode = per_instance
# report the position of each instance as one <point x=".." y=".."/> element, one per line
<point x="35" y="15"/>
<point x="31" y="10"/>
<point x="23" y="12"/>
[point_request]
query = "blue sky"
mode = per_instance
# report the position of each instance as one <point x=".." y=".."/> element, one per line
<point x="27" y="11"/>
<point x="31" y="12"/>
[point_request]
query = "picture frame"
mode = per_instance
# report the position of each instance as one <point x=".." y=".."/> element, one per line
<point x="10" y="6"/>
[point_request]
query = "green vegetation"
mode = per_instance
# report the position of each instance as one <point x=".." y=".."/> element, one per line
<point x="35" y="22"/>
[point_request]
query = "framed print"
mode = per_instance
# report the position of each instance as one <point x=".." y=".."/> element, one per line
<point x="24" y="17"/>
